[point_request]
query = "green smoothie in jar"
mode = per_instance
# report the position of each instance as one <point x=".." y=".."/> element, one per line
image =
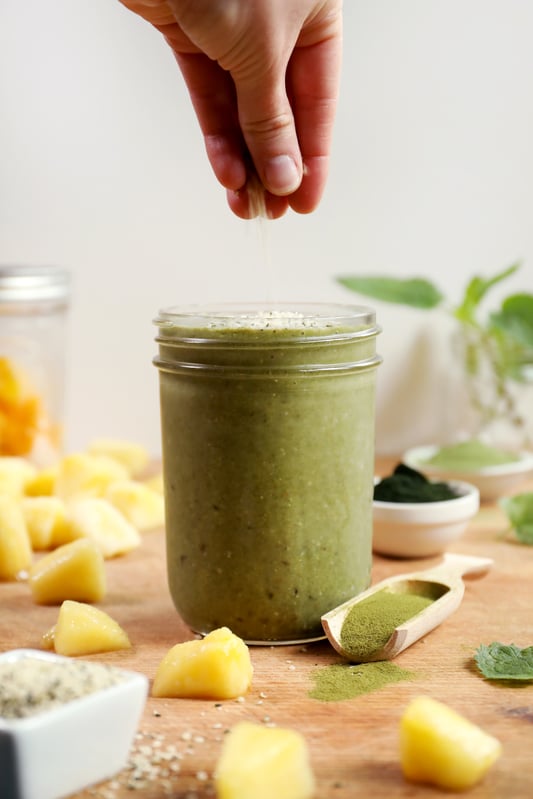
<point x="267" y="417"/>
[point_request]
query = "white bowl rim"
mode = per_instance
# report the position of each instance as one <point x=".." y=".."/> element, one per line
<point x="415" y="456"/>
<point x="73" y="705"/>
<point x="433" y="514"/>
<point x="466" y="493"/>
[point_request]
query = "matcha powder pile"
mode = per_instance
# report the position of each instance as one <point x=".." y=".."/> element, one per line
<point x="371" y="622"/>
<point x="340" y="681"/>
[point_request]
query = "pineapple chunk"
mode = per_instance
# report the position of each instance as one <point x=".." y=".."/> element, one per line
<point x="72" y="571"/>
<point x="85" y="630"/>
<point x="215" y="667"/>
<point x="21" y="414"/>
<point x="132" y="456"/>
<point x="82" y="475"/>
<point x="15" y="474"/>
<point x="45" y="519"/>
<point x="97" y="519"/>
<point x="141" y="505"/>
<point x="42" y="484"/>
<point x="440" y="747"/>
<point x="15" y="545"/>
<point x="263" y="762"/>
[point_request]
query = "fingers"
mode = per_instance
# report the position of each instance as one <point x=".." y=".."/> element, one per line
<point x="212" y="94"/>
<point x="268" y="127"/>
<point x="313" y="80"/>
<point x="264" y="88"/>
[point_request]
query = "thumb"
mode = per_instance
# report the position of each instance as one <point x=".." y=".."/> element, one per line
<point x="268" y="126"/>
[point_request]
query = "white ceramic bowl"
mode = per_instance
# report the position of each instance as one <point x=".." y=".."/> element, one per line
<point x="422" y="529"/>
<point x="492" y="481"/>
<point x="62" y="750"/>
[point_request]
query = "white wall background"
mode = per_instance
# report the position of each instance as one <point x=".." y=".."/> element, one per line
<point x="102" y="170"/>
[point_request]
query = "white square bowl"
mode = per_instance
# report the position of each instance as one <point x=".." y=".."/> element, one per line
<point x="62" y="750"/>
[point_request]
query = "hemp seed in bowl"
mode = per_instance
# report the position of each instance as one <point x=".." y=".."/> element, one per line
<point x="64" y="724"/>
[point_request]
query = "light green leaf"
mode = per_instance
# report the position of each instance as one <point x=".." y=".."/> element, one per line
<point x="516" y="318"/>
<point x="505" y="661"/>
<point x="519" y="511"/>
<point x="476" y="290"/>
<point x="415" y="292"/>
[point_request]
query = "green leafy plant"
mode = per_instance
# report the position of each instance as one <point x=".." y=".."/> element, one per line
<point x="505" y="661"/>
<point x="496" y="347"/>
<point x="519" y="511"/>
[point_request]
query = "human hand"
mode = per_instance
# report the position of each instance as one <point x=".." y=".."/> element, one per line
<point x="263" y="78"/>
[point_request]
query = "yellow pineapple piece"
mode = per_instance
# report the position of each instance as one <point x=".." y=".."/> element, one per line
<point x="21" y="426"/>
<point x="132" y="456"/>
<point x="15" y="546"/>
<point x="46" y="520"/>
<point x="72" y="571"/>
<point x="440" y="747"/>
<point x="10" y="384"/>
<point x="21" y="414"/>
<point x="85" y="630"/>
<point x="42" y="484"/>
<point x="97" y="519"/>
<point x="260" y="762"/>
<point x="82" y="475"/>
<point x="141" y="505"/>
<point x="215" y="667"/>
<point x="15" y="474"/>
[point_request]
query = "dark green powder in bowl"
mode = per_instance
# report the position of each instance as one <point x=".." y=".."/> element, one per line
<point x="408" y="485"/>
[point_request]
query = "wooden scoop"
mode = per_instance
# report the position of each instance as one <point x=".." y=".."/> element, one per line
<point x="442" y="584"/>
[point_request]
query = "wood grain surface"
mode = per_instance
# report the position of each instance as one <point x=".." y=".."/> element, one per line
<point x="354" y="743"/>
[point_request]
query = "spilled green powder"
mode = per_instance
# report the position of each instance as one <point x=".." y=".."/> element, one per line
<point x="342" y="681"/>
<point x="469" y="456"/>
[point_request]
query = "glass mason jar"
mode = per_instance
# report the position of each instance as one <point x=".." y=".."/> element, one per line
<point x="267" y="416"/>
<point x="33" y="308"/>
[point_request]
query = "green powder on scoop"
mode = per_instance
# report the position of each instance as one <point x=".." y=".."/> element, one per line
<point x="342" y="681"/>
<point x="469" y="456"/>
<point x="371" y="622"/>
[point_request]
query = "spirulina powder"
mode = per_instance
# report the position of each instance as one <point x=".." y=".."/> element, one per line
<point x="342" y="681"/>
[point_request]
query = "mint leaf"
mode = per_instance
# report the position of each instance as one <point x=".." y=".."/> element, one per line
<point x="415" y="292"/>
<point x="519" y="511"/>
<point x="505" y="661"/>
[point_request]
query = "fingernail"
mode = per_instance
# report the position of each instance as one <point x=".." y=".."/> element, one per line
<point x="282" y="175"/>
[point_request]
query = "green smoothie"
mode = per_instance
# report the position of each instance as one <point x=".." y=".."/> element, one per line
<point x="268" y="457"/>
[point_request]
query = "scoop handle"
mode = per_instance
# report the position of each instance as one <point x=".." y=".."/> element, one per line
<point x="457" y="566"/>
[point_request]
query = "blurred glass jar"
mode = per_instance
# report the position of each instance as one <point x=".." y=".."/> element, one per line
<point x="34" y="303"/>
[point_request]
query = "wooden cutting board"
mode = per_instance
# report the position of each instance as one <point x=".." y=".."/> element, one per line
<point x="354" y="743"/>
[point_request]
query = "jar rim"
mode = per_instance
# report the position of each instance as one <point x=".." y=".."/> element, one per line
<point x="33" y="283"/>
<point x="282" y="316"/>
